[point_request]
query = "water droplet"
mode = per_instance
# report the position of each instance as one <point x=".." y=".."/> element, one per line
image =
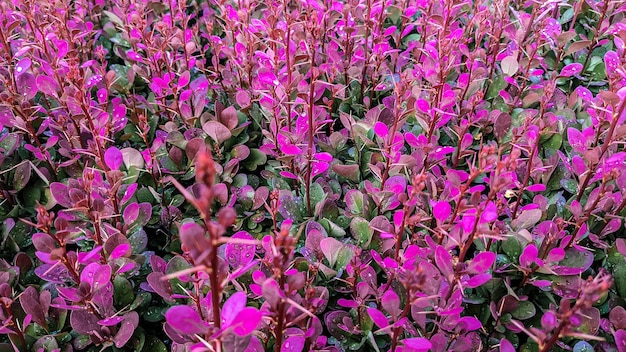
<point x="19" y="69"/>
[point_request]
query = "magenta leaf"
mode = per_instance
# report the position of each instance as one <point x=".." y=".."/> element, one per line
<point x="378" y="317"/>
<point x="381" y="130"/>
<point x="235" y="304"/>
<point x="441" y="211"/>
<point x="120" y="251"/>
<point x="469" y="323"/>
<point x="481" y="263"/>
<point x="528" y="256"/>
<point x="490" y="213"/>
<point x="185" y="320"/>
<point x="506" y="346"/>
<point x="293" y="344"/>
<point x="571" y="70"/>
<point x="246" y="321"/>
<point x="113" y="158"/>
<point x="417" y="344"/>
<point x="478" y="280"/>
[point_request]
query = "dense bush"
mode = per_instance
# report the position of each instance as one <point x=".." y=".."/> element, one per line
<point x="359" y="175"/>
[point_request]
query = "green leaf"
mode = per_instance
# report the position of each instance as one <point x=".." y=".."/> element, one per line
<point x="123" y="294"/>
<point x="525" y="310"/>
<point x="153" y="344"/>
<point x="496" y="86"/>
<point x="619" y="275"/>
<point x="154" y="314"/>
<point x="361" y="231"/>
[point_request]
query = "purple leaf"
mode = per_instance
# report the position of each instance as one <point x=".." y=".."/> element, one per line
<point x="22" y="66"/>
<point x="238" y="254"/>
<point x="162" y="287"/>
<point x="27" y="86"/>
<point x="469" y="323"/>
<point x="60" y="193"/>
<point x="391" y="302"/>
<point x="293" y="344"/>
<point x="113" y="158"/>
<point x="620" y="340"/>
<point x="131" y="320"/>
<point x="481" y="263"/>
<point x="47" y="85"/>
<point x="444" y="262"/>
<point x="185" y="320"/>
<point x="111" y="321"/>
<point x="29" y="300"/>
<point x="571" y="70"/>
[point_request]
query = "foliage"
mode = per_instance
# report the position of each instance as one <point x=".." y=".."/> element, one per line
<point x="362" y="175"/>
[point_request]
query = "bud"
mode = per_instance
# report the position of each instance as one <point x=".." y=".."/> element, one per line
<point x="205" y="168"/>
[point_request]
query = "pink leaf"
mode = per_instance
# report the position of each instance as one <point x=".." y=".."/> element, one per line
<point x="318" y="167"/>
<point x="290" y="149"/>
<point x="443" y="259"/>
<point x="612" y="62"/>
